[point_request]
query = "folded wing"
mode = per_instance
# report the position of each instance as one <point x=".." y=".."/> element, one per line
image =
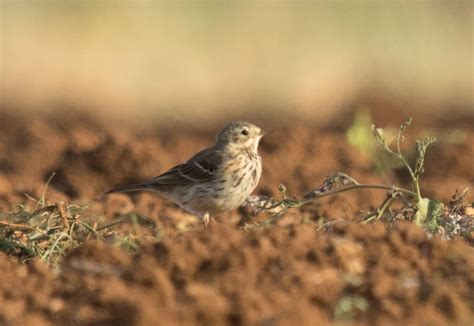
<point x="201" y="168"/>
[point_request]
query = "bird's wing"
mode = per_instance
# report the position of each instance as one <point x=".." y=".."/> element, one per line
<point x="202" y="167"/>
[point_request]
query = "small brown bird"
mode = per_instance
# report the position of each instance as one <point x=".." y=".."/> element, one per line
<point x="215" y="180"/>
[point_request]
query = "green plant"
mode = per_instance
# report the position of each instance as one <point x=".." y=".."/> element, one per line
<point x="46" y="232"/>
<point x="49" y="230"/>
<point x="432" y="214"/>
<point x="427" y="210"/>
<point x="360" y="136"/>
<point x="348" y="306"/>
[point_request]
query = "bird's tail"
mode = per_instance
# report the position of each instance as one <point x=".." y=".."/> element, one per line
<point x="130" y="188"/>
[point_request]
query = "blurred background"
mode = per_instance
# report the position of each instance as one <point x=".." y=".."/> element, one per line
<point x="189" y="61"/>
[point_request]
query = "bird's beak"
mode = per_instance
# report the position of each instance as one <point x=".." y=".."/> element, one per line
<point x="267" y="131"/>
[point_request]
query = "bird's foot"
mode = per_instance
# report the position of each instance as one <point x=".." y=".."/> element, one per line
<point x="205" y="219"/>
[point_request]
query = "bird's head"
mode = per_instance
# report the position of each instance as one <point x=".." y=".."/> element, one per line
<point x="240" y="135"/>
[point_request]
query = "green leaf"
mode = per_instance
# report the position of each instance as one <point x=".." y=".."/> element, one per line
<point x="428" y="213"/>
<point x="347" y="306"/>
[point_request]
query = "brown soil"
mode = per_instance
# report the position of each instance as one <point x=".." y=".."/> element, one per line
<point x="292" y="272"/>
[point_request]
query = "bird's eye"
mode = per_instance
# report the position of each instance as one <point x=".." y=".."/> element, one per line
<point x="245" y="132"/>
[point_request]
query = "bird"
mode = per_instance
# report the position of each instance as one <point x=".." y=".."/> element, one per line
<point x="215" y="180"/>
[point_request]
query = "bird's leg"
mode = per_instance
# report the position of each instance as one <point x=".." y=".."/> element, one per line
<point x="205" y="219"/>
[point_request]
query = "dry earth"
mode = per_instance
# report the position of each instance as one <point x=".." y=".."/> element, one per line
<point x="292" y="271"/>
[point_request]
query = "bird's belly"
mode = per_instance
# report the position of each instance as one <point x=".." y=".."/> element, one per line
<point x="217" y="202"/>
<point x="237" y="190"/>
<point x="220" y="198"/>
<point x="222" y="195"/>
